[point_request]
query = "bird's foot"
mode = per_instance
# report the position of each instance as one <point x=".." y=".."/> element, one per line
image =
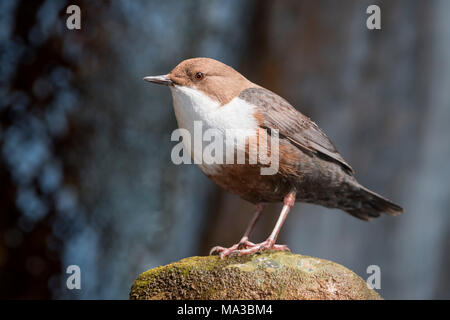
<point x="224" y="252"/>
<point x="265" y="245"/>
<point x="245" y="247"/>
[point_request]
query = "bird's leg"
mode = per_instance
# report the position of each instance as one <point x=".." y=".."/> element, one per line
<point x="244" y="240"/>
<point x="269" y="244"/>
<point x="243" y="243"/>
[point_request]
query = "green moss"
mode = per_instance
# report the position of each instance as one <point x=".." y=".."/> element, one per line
<point x="269" y="275"/>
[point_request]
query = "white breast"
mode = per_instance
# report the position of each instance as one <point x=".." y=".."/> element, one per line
<point x="192" y="105"/>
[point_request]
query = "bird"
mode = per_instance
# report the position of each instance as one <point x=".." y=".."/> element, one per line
<point x="310" y="169"/>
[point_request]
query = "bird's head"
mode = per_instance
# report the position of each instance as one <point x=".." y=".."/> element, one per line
<point x="213" y="78"/>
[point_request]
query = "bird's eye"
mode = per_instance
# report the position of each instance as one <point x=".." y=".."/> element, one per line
<point x="199" y="76"/>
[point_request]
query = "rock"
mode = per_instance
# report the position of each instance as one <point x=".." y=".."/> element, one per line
<point x="267" y="275"/>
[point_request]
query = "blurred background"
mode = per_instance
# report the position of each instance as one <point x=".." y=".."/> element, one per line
<point x="85" y="170"/>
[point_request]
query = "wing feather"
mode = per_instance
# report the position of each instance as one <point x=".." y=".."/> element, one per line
<point x="277" y="113"/>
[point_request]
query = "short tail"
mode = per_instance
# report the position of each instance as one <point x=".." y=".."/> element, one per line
<point x="371" y="205"/>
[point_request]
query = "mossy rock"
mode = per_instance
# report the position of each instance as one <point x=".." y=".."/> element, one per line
<point x="267" y="275"/>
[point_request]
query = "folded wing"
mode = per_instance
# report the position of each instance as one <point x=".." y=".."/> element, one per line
<point x="277" y="113"/>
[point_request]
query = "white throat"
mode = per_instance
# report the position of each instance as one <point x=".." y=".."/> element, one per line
<point x="192" y="105"/>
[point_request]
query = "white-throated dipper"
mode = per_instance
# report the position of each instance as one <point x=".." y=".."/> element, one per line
<point x="310" y="168"/>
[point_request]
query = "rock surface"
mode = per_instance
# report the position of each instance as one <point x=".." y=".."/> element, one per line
<point x="269" y="275"/>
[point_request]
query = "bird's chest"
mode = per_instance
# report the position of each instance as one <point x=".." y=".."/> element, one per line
<point x="231" y="130"/>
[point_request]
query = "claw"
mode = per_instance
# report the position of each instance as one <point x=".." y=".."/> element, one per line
<point x="245" y="244"/>
<point x="214" y="251"/>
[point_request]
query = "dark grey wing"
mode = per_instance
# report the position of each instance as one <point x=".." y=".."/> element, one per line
<point x="277" y="113"/>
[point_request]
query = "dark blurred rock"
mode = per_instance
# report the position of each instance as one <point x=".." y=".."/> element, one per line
<point x="269" y="275"/>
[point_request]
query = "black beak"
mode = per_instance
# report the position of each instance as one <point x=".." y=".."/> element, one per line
<point x="164" y="79"/>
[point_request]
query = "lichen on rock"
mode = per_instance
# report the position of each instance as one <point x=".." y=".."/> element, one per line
<point x="267" y="275"/>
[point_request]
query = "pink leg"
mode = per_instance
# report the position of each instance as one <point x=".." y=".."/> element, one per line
<point x="289" y="201"/>
<point x="244" y="239"/>
<point x="243" y="243"/>
<point x="269" y="244"/>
